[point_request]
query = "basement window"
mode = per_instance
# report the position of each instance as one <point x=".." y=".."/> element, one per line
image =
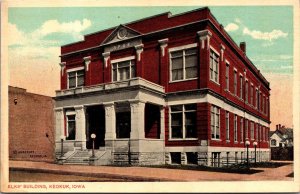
<point x="175" y="157"/>
<point x="192" y="157"/>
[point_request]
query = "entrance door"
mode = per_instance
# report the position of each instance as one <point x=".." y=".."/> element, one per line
<point x="95" y="124"/>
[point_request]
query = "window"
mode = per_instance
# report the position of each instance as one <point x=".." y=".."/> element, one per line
<point x="252" y="130"/>
<point x="235" y="83"/>
<point x="246" y="92"/>
<point x="246" y="129"/>
<point x="215" y="122"/>
<point x="183" y="121"/>
<point x="227" y="76"/>
<point x="251" y="95"/>
<point x="123" y="124"/>
<point x="184" y="64"/>
<point x="235" y="128"/>
<point x="273" y="142"/>
<point x="242" y="129"/>
<point x="75" y="79"/>
<point x="214" y="66"/>
<point x="263" y="104"/>
<point x="192" y="157"/>
<point x="71" y="126"/>
<point x="267" y="107"/>
<point x="257" y="99"/>
<point x="175" y="157"/>
<point x="123" y="70"/>
<point x="241" y="86"/>
<point x="215" y="159"/>
<point x="227" y="126"/>
<point x="256" y="132"/>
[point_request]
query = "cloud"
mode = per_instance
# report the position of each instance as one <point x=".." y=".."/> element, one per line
<point x="53" y="26"/>
<point x="15" y="36"/>
<point x="274" y="34"/>
<point x="231" y="27"/>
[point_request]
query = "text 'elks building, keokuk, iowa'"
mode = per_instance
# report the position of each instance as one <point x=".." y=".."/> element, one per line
<point x="164" y="89"/>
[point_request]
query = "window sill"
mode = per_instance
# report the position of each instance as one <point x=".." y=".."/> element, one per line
<point x="216" y="139"/>
<point x="183" y="139"/>
<point x="182" y="80"/>
<point x="227" y="141"/>
<point x="215" y="82"/>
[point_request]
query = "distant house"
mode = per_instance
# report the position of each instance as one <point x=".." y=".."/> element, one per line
<point x="31" y="124"/>
<point x="281" y="137"/>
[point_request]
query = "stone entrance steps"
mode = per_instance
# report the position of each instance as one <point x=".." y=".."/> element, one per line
<point x="79" y="157"/>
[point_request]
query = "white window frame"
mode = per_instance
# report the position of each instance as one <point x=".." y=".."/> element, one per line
<point x="241" y="86"/>
<point x="235" y="129"/>
<point x="182" y="48"/>
<point x="246" y="129"/>
<point x="256" y="98"/>
<point x="183" y="122"/>
<point x="215" y="111"/>
<point x="235" y="82"/>
<point x="227" y="123"/>
<point x="251" y="130"/>
<point x="251" y="94"/>
<point x="217" y="70"/>
<point x="112" y="62"/>
<point x="246" y="91"/>
<point x="76" y="80"/>
<point x="242" y="129"/>
<point x="67" y="114"/>
<point x="227" y="74"/>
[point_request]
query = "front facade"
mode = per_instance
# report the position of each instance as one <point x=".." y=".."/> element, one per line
<point x="161" y="90"/>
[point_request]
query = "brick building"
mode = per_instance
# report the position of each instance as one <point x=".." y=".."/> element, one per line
<point x="31" y="126"/>
<point x="164" y="89"/>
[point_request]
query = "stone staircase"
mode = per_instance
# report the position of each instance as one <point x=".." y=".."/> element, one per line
<point x="80" y="157"/>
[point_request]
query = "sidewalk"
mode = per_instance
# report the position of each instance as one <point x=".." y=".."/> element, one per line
<point x="151" y="174"/>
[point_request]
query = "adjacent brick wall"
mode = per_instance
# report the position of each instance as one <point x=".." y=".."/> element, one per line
<point x="31" y="126"/>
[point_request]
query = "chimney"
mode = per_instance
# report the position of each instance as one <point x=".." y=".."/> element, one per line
<point x="276" y="127"/>
<point x="243" y="46"/>
<point x="279" y="126"/>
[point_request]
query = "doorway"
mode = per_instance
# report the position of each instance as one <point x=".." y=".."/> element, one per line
<point x="95" y="123"/>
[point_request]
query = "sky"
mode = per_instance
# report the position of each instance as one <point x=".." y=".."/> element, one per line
<point x="36" y="34"/>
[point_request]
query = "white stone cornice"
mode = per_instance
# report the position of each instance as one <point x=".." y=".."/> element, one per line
<point x="62" y="66"/>
<point x="87" y="61"/>
<point x="106" y="57"/>
<point x="163" y="44"/>
<point x="222" y="52"/>
<point x="139" y="50"/>
<point x="204" y="35"/>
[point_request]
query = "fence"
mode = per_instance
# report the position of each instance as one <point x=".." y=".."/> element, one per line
<point x="279" y="153"/>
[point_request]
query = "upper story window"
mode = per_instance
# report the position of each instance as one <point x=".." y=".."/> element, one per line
<point x="241" y="86"/>
<point x="123" y="69"/>
<point x="257" y="99"/>
<point x="215" y="122"/>
<point x="75" y="77"/>
<point x="183" y="61"/>
<point x="227" y="76"/>
<point x="214" y="66"/>
<point x="183" y="121"/>
<point x="246" y="92"/>
<point x="235" y="82"/>
<point x="251" y="94"/>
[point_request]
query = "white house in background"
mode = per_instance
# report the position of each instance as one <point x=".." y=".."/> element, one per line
<point x="281" y="137"/>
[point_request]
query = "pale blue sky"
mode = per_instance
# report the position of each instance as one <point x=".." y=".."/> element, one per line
<point x="273" y="55"/>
